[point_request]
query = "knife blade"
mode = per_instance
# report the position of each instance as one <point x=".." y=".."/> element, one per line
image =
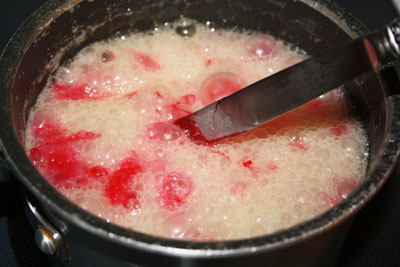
<point x="290" y="88"/>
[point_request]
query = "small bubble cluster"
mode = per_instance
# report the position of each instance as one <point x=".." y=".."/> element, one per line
<point x="102" y="133"/>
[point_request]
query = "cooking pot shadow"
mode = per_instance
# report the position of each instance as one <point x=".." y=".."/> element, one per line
<point x="59" y="29"/>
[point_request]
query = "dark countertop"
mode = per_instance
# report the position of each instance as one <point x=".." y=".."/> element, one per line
<point x="374" y="239"/>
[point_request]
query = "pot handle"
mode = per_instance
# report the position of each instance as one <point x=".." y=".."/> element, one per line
<point x="387" y="41"/>
<point x="3" y="162"/>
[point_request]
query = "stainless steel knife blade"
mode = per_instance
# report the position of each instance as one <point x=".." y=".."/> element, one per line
<point x="290" y="88"/>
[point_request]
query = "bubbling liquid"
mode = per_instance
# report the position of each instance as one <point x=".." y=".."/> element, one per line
<point x="98" y="134"/>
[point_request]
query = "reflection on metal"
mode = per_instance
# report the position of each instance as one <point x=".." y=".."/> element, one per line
<point x="47" y="237"/>
<point x="45" y="242"/>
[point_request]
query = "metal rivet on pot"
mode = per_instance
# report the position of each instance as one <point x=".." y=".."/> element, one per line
<point x="45" y="242"/>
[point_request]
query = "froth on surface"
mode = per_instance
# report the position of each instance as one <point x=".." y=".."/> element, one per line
<point x="98" y="134"/>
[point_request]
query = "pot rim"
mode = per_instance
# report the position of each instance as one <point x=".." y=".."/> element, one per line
<point x="36" y="184"/>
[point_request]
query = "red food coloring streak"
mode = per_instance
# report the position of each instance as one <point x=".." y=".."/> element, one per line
<point x="55" y="155"/>
<point x="220" y="153"/>
<point x="147" y="62"/>
<point x="76" y="92"/>
<point x="173" y="190"/>
<point x="131" y="95"/>
<point x="218" y="86"/>
<point x="120" y="186"/>
<point x="340" y="130"/>
<point x="158" y="94"/>
<point x="208" y="62"/>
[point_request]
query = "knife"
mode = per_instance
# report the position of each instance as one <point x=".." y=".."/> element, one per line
<point x="290" y="88"/>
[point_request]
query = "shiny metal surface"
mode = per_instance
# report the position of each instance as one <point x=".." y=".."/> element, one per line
<point x="45" y="242"/>
<point x="290" y="88"/>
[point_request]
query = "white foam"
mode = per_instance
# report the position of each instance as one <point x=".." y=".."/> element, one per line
<point x="263" y="181"/>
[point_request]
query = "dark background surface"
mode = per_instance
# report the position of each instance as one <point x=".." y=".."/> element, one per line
<point x="374" y="239"/>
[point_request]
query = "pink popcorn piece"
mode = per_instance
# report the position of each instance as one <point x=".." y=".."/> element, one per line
<point x="55" y="154"/>
<point x="120" y="188"/>
<point x="261" y="46"/>
<point x="147" y="62"/>
<point x="218" y="86"/>
<point x="173" y="190"/>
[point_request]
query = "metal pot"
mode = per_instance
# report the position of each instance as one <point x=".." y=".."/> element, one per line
<point x="76" y="238"/>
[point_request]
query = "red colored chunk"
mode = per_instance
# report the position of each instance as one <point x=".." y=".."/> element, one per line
<point x="340" y="130"/>
<point x="218" y="86"/>
<point x="208" y="62"/>
<point x="261" y="46"/>
<point x="247" y="163"/>
<point x="119" y="188"/>
<point x="98" y="171"/>
<point x="147" y="62"/>
<point x="173" y="190"/>
<point x="76" y="92"/>
<point x="47" y="132"/>
<point x="55" y="155"/>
